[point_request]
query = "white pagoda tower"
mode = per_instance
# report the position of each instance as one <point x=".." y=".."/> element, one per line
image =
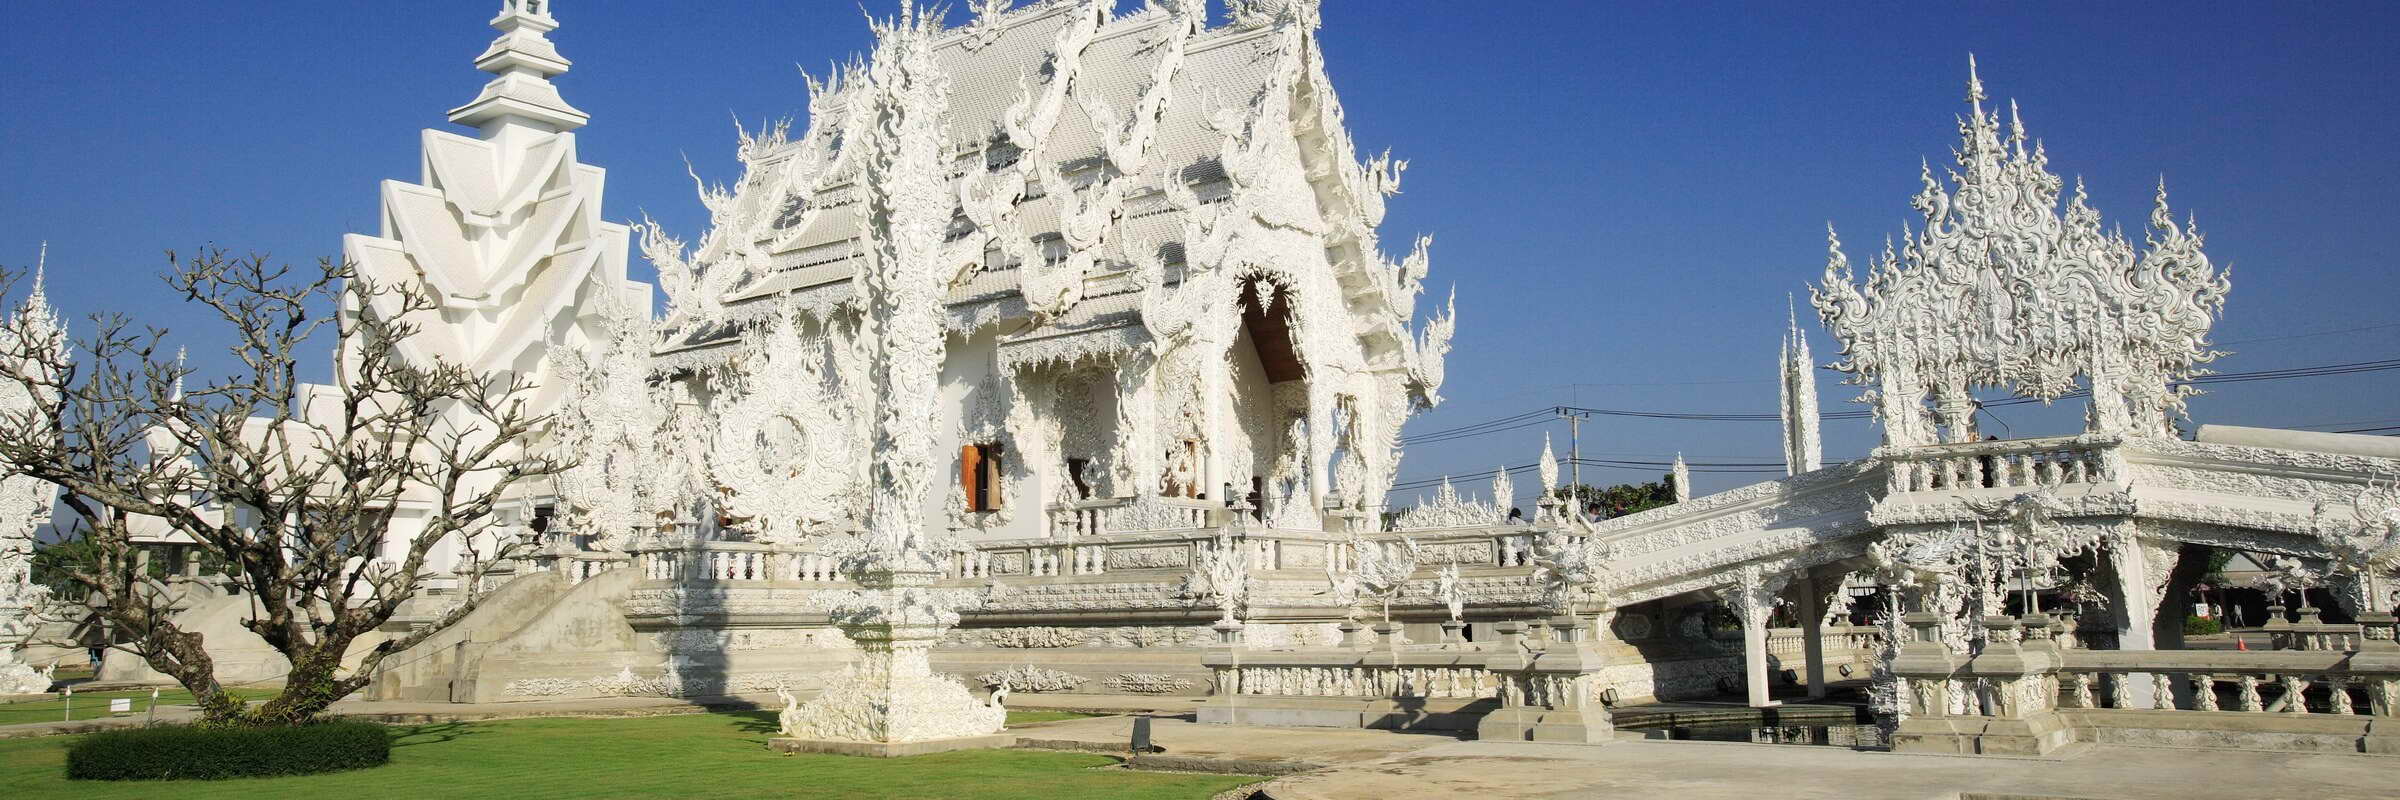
<point x="505" y="227"/>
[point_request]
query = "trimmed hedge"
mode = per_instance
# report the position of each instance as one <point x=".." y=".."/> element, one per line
<point x="202" y="752"/>
<point x="2196" y="625"/>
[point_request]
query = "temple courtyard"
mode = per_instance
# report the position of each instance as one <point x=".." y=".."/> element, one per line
<point x="648" y="747"/>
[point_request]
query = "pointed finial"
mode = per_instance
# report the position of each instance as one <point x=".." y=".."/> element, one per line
<point x="41" y="261"/>
<point x="1974" y="86"/>
<point x="177" y="396"/>
<point x="525" y="61"/>
<point x="1683" y="479"/>
<point x="2016" y="128"/>
<point x="1549" y="466"/>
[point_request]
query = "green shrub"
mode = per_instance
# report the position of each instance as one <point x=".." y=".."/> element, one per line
<point x="2196" y="625"/>
<point x="204" y="752"/>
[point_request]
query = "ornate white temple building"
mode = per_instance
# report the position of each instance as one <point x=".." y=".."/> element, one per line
<point x="1174" y="356"/>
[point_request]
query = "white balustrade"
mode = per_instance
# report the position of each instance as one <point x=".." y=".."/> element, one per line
<point x="2012" y="464"/>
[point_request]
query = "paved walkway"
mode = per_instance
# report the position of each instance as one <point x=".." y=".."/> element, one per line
<point x="1230" y="748"/>
<point x="1729" y="771"/>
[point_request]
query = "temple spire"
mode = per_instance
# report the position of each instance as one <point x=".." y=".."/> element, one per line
<point x="1683" y="480"/>
<point x="1975" y="94"/>
<point x="524" y="61"/>
<point x="1803" y="445"/>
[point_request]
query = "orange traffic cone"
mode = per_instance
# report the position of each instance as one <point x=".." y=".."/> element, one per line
<point x="2238" y="644"/>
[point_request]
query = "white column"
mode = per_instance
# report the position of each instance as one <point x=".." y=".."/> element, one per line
<point x="1753" y="600"/>
<point x="2141" y="568"/>
<point x="1812" y="633"/>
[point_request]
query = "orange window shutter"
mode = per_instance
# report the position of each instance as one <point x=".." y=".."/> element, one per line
<point x="991" y="479"/>
<point x="970" y="475"/>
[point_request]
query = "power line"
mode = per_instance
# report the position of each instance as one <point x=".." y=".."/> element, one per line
<point x="2309" y="335"/>
<point x="1539" y="416"/>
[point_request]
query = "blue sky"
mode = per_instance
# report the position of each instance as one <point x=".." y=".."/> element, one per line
<point x="1623" y="194"/>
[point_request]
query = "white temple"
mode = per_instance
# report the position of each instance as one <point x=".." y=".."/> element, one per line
<point x="1168" y="288"/>
<point x="1060" y="353"/>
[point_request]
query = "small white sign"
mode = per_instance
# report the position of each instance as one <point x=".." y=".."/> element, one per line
<point x="120" y="705"/>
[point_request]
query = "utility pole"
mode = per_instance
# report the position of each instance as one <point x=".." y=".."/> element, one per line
<point x="1574" y="418"/>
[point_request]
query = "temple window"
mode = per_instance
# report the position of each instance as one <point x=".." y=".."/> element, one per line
<point x="979" y="476"/>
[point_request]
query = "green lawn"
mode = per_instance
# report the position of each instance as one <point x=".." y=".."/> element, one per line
<point x="1025" y="717"/>
<point x="95" y="705"/>
<point x="685" y="755"/>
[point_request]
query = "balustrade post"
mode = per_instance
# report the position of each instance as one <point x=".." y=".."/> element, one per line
<point x="2295" y="694"/>
<point x="2204" y="692"/>
<point x="1352" y="636"/>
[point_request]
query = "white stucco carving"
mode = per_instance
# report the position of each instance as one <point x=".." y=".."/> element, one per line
<point x="24" y="502"/>
<point x="2364" y="540"/>
<point x="2069" y="298"/>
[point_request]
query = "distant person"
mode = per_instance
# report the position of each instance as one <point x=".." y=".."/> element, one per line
<point x="1516" y="516"/>
<point x="1991" y="465"/>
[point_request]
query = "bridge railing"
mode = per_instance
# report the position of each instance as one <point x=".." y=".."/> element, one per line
<point x="2009" y="464"/>
<point x="2285" y="682"/>
<point x="2031" y="697"/>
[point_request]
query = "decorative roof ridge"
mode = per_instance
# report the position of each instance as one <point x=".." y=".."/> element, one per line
<point x="988" y="27"/>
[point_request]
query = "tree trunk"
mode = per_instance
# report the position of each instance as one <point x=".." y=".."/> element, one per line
<point x="313" y="684"/>
<point x="180" y="655"/>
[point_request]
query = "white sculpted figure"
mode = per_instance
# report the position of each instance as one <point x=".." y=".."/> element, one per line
<point x="1568" y="568"/>
<point x="1221" y="571"/>
<point x="1383" y="568"/>
<point x="2366" y="545"/>
<point x="1446" y="590"/>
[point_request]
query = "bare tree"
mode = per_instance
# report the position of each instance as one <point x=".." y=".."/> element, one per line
<point x="294" y="486"/>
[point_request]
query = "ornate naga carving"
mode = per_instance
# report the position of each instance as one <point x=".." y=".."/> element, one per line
<point x="1569" y="568"/>
<point x="2001" y="289"/>
<point x="1221" y="571"/>
<point x="1382" y="568"/>
<point x="2366" y="546"/>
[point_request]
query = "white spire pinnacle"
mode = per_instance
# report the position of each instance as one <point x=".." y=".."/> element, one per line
<point x="1974" y="86"/>
<point x="1803" y="445"/>
<point x="41" y="263"/>
<point x="525" y="61"/>
<point x="1683" y="480"/>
